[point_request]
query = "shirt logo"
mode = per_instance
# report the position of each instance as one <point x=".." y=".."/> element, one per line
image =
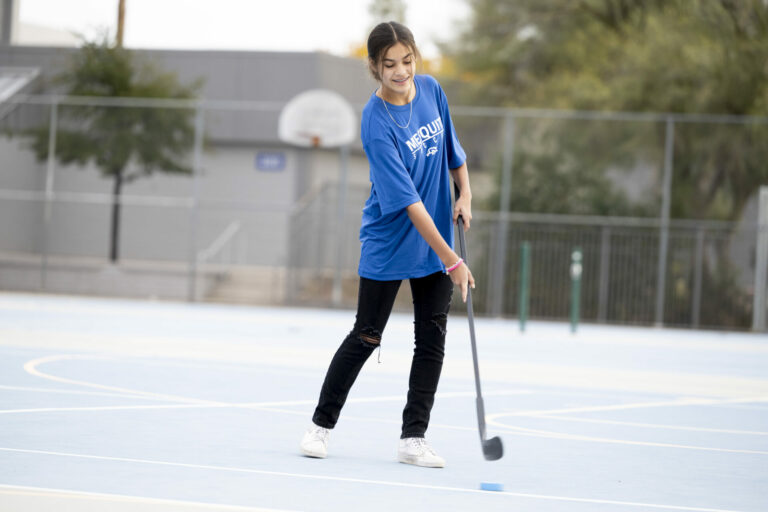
<point x="426" y="133"/>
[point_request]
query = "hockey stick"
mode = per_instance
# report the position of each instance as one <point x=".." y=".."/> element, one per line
<point x="492" y="448"/>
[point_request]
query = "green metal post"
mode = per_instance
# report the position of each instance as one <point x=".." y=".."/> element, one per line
<point x="525" y="282"/>
<point x="576" y="269"/>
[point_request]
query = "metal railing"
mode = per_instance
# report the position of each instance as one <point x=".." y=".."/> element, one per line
<point x="223" y="247"/>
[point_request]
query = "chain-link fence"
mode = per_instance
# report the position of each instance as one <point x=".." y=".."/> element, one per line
<point x="704" y="284"/>
<point x="243" y="218"/>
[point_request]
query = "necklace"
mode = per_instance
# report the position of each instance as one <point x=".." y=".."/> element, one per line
<point x="393" y="119"/>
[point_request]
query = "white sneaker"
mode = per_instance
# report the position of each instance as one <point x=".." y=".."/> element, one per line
<point x="315" y="442"/>
<point x="416" y="451"/>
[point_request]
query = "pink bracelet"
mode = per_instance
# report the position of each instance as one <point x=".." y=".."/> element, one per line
<point x="454" y="266"/>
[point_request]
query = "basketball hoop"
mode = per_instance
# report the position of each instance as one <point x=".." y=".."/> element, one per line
<point x="318" y="118"/>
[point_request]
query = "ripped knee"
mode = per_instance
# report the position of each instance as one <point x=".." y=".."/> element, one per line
<point x="440" y="320"/>
<point x="369" y="337"/>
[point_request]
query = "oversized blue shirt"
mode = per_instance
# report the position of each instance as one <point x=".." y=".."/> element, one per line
<point x="407" y="165"/>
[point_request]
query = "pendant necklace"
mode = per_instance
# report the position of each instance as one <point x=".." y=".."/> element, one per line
<point x="393" y="119"/>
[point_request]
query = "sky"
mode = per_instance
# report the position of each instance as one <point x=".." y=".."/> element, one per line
<point x="283" y="25"/>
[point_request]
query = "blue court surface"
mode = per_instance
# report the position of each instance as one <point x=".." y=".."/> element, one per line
<point x="128" y="405"/>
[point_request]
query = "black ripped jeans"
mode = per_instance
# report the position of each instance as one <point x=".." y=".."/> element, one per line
<point x="431" y="302"/>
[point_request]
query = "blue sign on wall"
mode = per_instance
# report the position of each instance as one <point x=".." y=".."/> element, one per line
<point x="270" y="161"/>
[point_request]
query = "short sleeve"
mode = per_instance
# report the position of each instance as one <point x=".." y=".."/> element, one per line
<point x="456" y="155"/>
<point x="393" y="185"/>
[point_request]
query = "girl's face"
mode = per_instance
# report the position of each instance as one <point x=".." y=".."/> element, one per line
<point x="396" y="70"/>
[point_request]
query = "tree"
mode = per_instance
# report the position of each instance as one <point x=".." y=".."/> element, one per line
<point x="684" y="56"/>
<point x="387" y="10"/>
<point x="380" y="11"/>
<point x="126" y="143"/>
<point x="678" y="56"/>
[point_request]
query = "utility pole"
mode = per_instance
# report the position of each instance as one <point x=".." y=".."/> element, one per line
<point x="9" y="19"/>
<point x="120" y="22"/>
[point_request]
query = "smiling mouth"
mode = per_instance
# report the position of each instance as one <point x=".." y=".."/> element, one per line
<point x="404" y="80"/>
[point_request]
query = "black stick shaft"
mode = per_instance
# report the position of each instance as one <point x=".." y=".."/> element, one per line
<point x="470" y="315"/>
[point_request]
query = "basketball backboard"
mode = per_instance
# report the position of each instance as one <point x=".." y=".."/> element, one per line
<point x="318" y="118"/>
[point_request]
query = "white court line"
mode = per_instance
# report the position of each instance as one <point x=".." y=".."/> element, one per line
<point x="64" y="391"/>
<point x="113" y="308"/>
<point x="20" y="490"/>
<point x="640" y="405"/>
<point x="510" y="429"/>
<point x="654" y="425"/>
<point x="245" y="405"/>
<point x="31" y="368"/>
<point x="520" y="431"/>
<point x="577" y="437"/>
<point x="388" y="483"/>
<point x="491" y="420"/>
<point x="750" y="407"/>
<point x="107" y="408"/>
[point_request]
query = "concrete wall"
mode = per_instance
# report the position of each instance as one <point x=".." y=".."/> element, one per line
<point x="20" y="220"/>
<point x="228" y="75"/>
<point x="231" y="187"/>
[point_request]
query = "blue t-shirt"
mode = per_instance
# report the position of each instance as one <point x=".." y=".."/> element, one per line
<point x="407" y="165"/>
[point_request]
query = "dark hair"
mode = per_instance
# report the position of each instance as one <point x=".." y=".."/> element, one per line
<point x="383" y="37"/>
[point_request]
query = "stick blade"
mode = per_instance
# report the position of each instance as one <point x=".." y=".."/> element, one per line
<point x="493" y="449"/>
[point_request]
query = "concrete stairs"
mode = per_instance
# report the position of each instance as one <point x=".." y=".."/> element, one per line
<point x="258" y="285"/>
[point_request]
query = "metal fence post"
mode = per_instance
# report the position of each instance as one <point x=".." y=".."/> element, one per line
<point x="49" y="180"/>
<point x="525" y="281"/>
<point x="661" y="278"/>
<point x="336" y="293"/>
<point x="698" y="268"/>
<point x="605" y="272"/>
<point x="576" y="271"/>
<point x="761" y="262"/>
<point x="197" y="163"/>
<point x="498" y="277"/>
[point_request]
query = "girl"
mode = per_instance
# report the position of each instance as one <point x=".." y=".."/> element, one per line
<point x="406" y="233"/>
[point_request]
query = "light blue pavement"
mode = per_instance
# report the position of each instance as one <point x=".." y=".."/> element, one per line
<point x="166" y="406"/>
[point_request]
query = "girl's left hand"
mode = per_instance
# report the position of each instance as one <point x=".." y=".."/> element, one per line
<point x="463" y="207"/>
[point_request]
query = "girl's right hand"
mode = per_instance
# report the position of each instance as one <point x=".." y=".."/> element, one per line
<point x="462" y="277"/>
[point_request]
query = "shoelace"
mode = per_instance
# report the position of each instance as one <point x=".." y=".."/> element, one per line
<point x="421" y="445"/>
<point x="320" y="432"/>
